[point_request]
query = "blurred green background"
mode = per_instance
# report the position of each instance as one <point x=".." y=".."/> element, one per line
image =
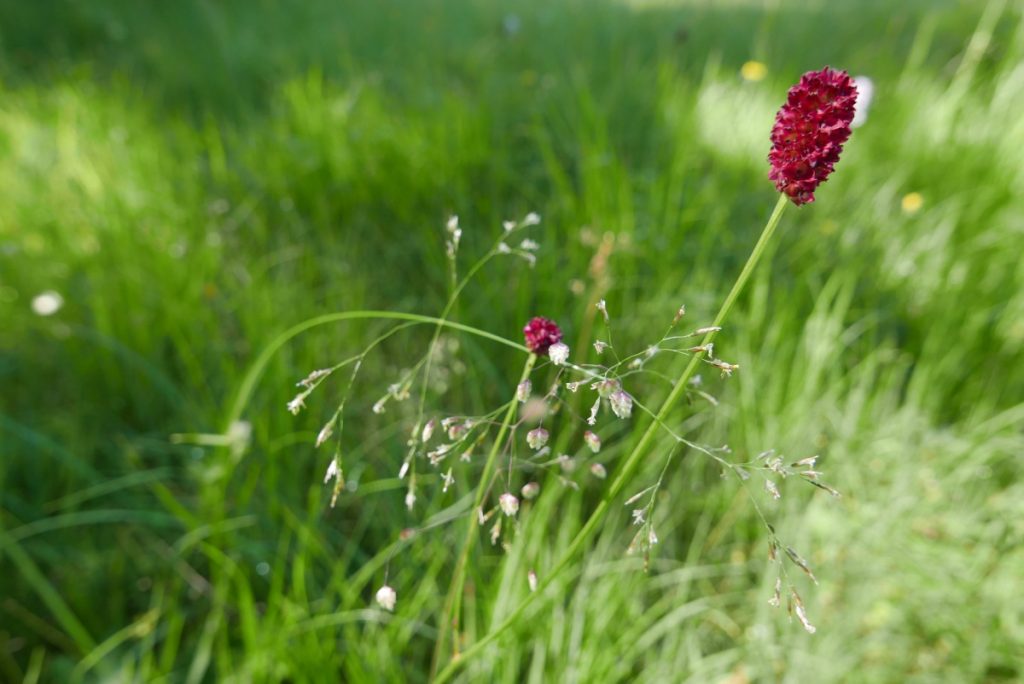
<point x="183" y="181"/>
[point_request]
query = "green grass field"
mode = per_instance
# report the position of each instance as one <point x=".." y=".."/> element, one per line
<point x="193" y="178"/>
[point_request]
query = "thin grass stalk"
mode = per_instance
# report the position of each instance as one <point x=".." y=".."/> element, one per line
<point x="453" y="602"/>
<point x="635" y="456"/>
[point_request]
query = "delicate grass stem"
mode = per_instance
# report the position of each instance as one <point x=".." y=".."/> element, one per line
<point x="453" y="602"/>
<point x="255" y="370"/>
<point x="633" y="460"/>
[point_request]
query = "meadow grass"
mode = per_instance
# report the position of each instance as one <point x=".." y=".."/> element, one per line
<point x="195" y="178"/>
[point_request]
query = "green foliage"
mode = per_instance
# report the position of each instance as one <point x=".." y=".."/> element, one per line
<point x="195" y="177"/>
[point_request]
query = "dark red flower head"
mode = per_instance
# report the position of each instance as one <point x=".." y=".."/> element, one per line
<point x="540" y="334"/>
<point x="809" y="132"/>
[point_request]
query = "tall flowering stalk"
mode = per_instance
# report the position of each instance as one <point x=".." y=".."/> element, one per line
<point x="807" y="139"/>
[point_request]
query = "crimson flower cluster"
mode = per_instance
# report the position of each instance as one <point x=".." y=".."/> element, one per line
<point x="809" y="132"/>
<point x="540" y="334"/>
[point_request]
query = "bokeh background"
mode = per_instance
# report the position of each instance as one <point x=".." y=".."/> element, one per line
<point x="180" y="182"/>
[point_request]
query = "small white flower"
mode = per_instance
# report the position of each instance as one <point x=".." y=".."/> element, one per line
<point x="529" y="245"/>
<point x="325" y="433"/>
<point x="403" y="470"/>
<point x="458" y="431"/>
<point x="439" y="454"/>
<point x="453" y="223"/>
<point x="592" y="440"/>
<point x="297" y="404"/>
<point x="592" y="419"/>
<point x="332" y="471"/>
<point x="531" y="219"/>
<point x="598" y="470"/>
<point x="602" y="306"/>
<point x="558" y="353"/>
<point x="622" y="404"/>
<point x="509" y="504"/>
<point x="537" y="438"/>
<point x="378" y="407"/>
<point x="398" y="392"/>
<point x="802" y="616"/>
<point x="523" y="391"/>
<point x="47" y="303"/>
<point x="410" y="499"/>
<point x="386" y="598"/>
<point x="428" y="431"/>
<point x="776" y="598"/>
<point x="448" y="480"/>
<point x="724" y="366"/>
<point x="503" y="248"/>
<point x="530" y="490"/>
<point x="600" y="346"/>
<point x="531" y="580"/>
<point x="314" y="377"/>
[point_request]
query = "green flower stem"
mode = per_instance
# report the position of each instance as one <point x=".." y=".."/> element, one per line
<point x="453" y="602"/>
<point x="634" y="458"/>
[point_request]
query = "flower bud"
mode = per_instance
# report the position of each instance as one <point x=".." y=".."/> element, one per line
<point x="530" y="490"/>
<point x="325" y="433"/>
<point x="457" y="431"/>
<point x="559" y="353"/>
<point x="592" y="440"/>
<point x="523" y="391"/>
<point x="537" y="438"/>
<point x="606" y="387"/>
<point x="622" y="404"/>
<point x="386" y="598"/>
<point x="428" y="431"/>
<point x="509" y="504"/>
